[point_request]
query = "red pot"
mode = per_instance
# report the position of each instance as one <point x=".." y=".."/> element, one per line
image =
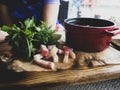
<point x="89" y="34"/>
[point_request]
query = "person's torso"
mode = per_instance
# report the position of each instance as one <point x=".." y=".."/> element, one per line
<point x="23" y="9"/>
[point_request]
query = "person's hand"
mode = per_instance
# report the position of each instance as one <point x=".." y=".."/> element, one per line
<point x="3" y="35"/>
<point x="59" y="27"/>
<point x="61" y="31"/>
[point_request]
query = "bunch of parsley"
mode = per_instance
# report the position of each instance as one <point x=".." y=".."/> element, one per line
<point x="28" y="37"/>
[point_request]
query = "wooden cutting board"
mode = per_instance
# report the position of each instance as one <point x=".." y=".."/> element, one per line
<point x="63" y="77"/>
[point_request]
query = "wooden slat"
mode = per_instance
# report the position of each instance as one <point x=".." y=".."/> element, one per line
<point x="61" y="77"/>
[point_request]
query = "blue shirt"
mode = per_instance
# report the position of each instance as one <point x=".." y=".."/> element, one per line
<point x="22" y="9"/>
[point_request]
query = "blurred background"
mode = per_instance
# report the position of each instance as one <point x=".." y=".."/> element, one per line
<point x="90" y="8"/>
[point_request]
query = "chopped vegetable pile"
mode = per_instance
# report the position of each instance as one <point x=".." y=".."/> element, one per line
<point x="49" y="57"/>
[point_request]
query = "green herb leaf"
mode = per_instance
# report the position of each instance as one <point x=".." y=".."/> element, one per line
<point x="28" y="37"/>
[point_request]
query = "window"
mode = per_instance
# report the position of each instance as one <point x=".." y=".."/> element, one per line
<point x="92" y="8"/>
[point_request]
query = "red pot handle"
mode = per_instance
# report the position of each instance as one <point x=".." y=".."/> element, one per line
<point x="113" y="32"/>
